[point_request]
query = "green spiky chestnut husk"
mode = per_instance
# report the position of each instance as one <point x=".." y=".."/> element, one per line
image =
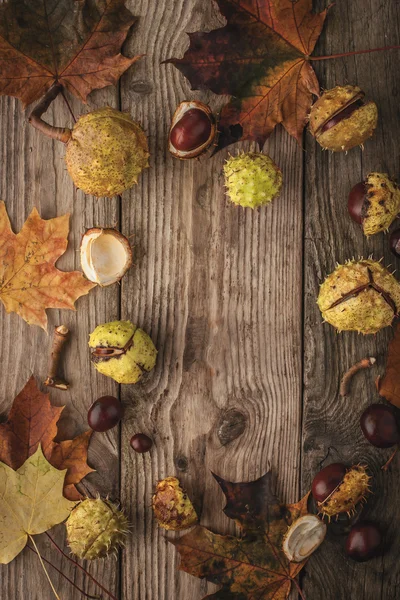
<point x="96" y="528"/>
<point x="360" y="295"/>
<point x="349" y="132"/>
<point x="352" y="491"/>
<point x="172" y="506"/>
<point x="252" y="179"/>
<point x="106" y="153"/>
<point x="122" y="351"/>
<point x="381" y="205"/>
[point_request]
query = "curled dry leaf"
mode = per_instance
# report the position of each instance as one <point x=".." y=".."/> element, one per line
<point x="31" y="502"/>
<point x="29" y="281"/>
<point x="260" y="59"/>
<point x="76" y="44"/>
<point x="253" y="566"/>
<point x="32" y="421"/>
<point x="389" y="385"/>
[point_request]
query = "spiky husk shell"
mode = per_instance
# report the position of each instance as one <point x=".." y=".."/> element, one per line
<point x="107" y="152"/>
<point x="138" y="358"/>
<point x="352" y="131"/>
<point x="172" y="506"/>
<point x="252" y="179"/>
<point x="366" y="311"/>
<point x="352" y="490"/>
<point x="96" y="528"/>
<point x="382" y="204"/>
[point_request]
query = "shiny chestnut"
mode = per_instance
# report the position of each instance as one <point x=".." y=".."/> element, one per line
<point x="193" y="130"/>
<point x="327" y="480"/>
<point x="364" y="541"/>
<point x="395" y="243"/>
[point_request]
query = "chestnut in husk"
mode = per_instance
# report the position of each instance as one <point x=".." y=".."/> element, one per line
<point x="193" y="130"/>
<point x="341" y="119"/>
<point x="374" y="203"/>
<point x="338" y="489"/>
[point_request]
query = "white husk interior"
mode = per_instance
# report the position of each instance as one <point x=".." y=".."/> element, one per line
<point x="104" y="257"/>
<point x="303" y="537"/>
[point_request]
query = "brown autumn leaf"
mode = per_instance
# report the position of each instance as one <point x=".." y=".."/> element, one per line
<point x="389" y="385"/>
<point x="253" y="566"/>
<point x="29" y="281"/>
<point x="76" y="44"/>
<point x="260" y="58"/>
<point x="32" y="421"/>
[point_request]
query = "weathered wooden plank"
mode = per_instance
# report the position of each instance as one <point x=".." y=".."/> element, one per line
<point x="331" y="425"/>
<point x="218" y="289"/>
<point x="33" y="173"/>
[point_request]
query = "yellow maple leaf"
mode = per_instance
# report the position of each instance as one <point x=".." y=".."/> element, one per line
<point x="31" y="502"/>
<point x="29" y="281"/>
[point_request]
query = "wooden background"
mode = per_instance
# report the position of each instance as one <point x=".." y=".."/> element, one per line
<point x="228" y="296"/>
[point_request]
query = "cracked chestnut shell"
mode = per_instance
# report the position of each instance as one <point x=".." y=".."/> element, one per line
<point x="193" y="130"/>
<point x="374" y="203"/>
<point x="121" y="350"/>
<point x="341" y="118"/>
<point x="360" y="295"/>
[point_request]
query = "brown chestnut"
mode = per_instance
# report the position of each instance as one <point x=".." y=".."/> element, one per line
<point x="363" y="541"/>
<point x="327" y="480"/>
<point x="141" y="443"/>
<point x="193" y="130"/>
<point x="395" y="243"/>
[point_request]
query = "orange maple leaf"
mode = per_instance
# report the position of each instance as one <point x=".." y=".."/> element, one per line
<point x="389" y="385"/>
<point x="29" y="281"/>
<point x="260" y="58"/>
<point x="67" y="42"/>
<point x="32" y="421"/>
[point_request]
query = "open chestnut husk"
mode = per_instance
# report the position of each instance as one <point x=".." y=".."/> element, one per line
<point x="341" y="118"/>
<point x="374" y="203"/>
<point x="193" y="130"/>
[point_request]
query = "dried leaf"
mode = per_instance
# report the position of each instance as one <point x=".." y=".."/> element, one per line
<point x="31" y="502"/>
<point x="29" y="281"/>
<point x="253" y="566"/>
<point x="260" y="58"/>
<point x="32" y="421"/>
<point x="76" y="44"/>
<point x="389" y="384"/>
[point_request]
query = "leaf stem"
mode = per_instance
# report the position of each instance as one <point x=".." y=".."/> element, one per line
<point x="44" y="568"/>
<point x="80" y="567"/>
<point x="65" y="577"/>
<point x="300" y="591"/>
<point x="353" y="53"/>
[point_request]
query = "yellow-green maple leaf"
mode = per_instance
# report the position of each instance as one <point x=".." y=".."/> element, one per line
<point x="31" y="502"/>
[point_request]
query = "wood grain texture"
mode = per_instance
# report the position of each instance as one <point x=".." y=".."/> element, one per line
<point x="228" y="296"/>
<point x="331" y="429"/>
<point x="217" y="287"/>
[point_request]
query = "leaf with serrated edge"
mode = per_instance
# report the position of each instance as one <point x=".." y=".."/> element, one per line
<point x="253" y="566"/>
<point x="260" y="58"/>
<point x="31" y="502"/>
<point x="72" y="43"/>
<point x="389" y="384"/>
<point x="29" y="281"/>
<point x="32" y="421"/>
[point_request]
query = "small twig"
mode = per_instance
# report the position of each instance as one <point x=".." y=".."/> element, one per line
<point x="62" y="134"/>
<point x="61" y="334"/>
<point x="365" y="363"/>
<point x="389" y="461"/>
<point x="80" y="567"/>
<point x="66" y="577"/>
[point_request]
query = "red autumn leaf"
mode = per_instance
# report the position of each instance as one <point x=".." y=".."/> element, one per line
<point x="76" y="44"/>
<point x="29" y="281"/>
<point x="389" y="385"/>
<point x="260" y="58"/>
<point x="32" y="421"/>
<point x="254" y="565"/>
